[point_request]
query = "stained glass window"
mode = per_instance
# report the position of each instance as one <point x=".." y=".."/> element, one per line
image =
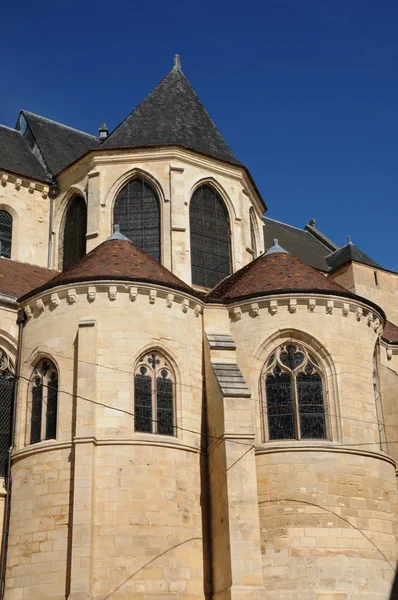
<point x="137" y="212"/>
<point x="292" y="384"/>
<point x="154" y="395"/>
<point x="210" y="238"/>
<point x="6" y="394"/>
<point x="5" y="233"/>
<point x="44" y="402"/>
<point x="74" y="236"/>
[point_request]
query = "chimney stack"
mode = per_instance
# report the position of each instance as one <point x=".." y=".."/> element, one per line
<point x="103" y="131"/>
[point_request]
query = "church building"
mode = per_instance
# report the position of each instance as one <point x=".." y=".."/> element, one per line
<point x="197" y="402"/>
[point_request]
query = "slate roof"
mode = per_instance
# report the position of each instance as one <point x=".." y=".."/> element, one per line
<point x="277" y="272"/>
<point x="349" y="253"/>
<point x="60" y="145"/>
<point x="299" y="242"/>
<point x="390" y="333"/>
<point x="16" y="156"/>
<point x="17" y="278"/>
<point x="171" y="114"/>
<point x="118" y="260"/>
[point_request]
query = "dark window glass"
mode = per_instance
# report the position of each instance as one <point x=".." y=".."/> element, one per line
<point x="137" y="212"/>
<point x="280" y="407"/>
<point x="164" y="394"/>
<point x="52" y="406"/>
<point x="5" y="233"/>
<point x="74" y="246"/>
<point x="6" y="392"/>
<point x="143" y="401"/>
<point x="210" y="238"/>
<point x="35" y="429"/>
<point x="310" y="405"/>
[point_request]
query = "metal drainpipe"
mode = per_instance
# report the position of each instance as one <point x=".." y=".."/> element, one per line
<point x="50" y="232"/>
<point x="21" y="319"/>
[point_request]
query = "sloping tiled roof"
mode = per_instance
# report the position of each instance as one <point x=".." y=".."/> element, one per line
<point x="118" y="259"/>
<point x="349" y="253"/>
<point x="16" y="156"/>
<point x="60" y="145"/>
<point x="171" y="114"/>
<point x="390" y="332"/>
<point x="299" y="242"/>
<point x="276" y="272"/>
<point x="17" y="278"/>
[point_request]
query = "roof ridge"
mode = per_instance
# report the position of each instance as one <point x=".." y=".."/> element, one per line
<point x="28" y="112"/>
<point x="286" y="224"/>
<point x="10" y="129"/>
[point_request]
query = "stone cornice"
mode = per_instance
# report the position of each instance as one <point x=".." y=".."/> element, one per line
<point x="18" y="181"/>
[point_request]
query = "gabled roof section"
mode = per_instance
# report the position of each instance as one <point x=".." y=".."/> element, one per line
<point x="349" y="253"/>
<point x="277" y="272"/>
<point x="59" y="144"/>
<point x="16" y="156"/>
<point x="17" y="278"/>
<point x="172" y="115"/>
<point x="119" y="260"/>
<point x="298" y="242"/>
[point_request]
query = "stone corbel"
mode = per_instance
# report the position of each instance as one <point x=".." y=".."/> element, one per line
<point x="152" y="296"/>
<point x="4" y="180"/>
<point x="254" y="309"/>
<point x="292" y="305"/>
<point x="40" y="305"/>
<point x="112" y="292"/>
<point x="185" y="305"/>
<point x="54" y="300"/>
<point x="32" y="187"/>
<point x="169" y="300"/>
<point x="18" y="183"/>
<point x="91" y="293"/>
<point x="359" y="313"/>
<point x="72" y="296"/>
<point x="311" y="304"/>
<point x="346" y="309"/>
<point x="197" y="310"/>
<point x="237" y="312"/>
<point x="45" y="191"/>
<point x="329" y="307"/>
<point x="388" y="351"/>
<point x="273" y="307"/>
<point x="370" y="319"/>
<point x="28" y="311"/>
<point x="133" y="294"/>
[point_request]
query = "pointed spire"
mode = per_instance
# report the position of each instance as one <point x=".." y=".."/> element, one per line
<point x="275" y="248"/>
<point x="177" y="62"/>
<point x="349" y="240"/>
<point x="117" y="235"/>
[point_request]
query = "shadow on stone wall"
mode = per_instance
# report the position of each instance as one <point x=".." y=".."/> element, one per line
<point x="394" y="589"/>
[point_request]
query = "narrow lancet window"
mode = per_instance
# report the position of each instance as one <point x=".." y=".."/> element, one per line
<point x="137" y="212"/>
<point x="7" y="379"/>
<point x="154" y="395"/>
<point x="253" y="227"/>
<point x="74" y="241"/>
<point x="210" y="238"/>
<point x="44" y="402"/>
<point x="5" y="233"/>
<point x="292" y="386"/>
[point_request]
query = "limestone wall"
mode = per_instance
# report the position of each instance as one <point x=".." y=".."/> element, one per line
<point x="132" y="521"/>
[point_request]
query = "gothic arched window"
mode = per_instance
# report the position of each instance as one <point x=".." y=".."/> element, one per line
<point x="44" y="402"/>
<point x="74" y="246"/>
<point x="292" y="387"/>
<point x="6" y="393"/>
<point x="154" y="395"/>
<point x="137" y="212"/>
<point x="5" y="233"/>
<point x="210" y="238"/>
<point x="253" y="227"/>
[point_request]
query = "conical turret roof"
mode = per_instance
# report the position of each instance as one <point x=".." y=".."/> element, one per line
<point x="276" y="271"/>
<point x="172" y="114"/>
<point x="117" y="259"/>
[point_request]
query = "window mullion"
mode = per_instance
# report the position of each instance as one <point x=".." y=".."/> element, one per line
<point x="296" y="408"/>
<point x="44" y="394"/>
<point x="154" y="402"/>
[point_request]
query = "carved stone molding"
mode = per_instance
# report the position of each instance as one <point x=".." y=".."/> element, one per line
<point x="72" y="296"/>
<point x="91" y="293"/>
<point x="133" y="292"/>
<point x="329" y="307"/>
<point x="54" y="300"/>
<point x="292" y="305"/>
<point x="185" y="305"/>
<point x="152" y="296"/>
<point x="169" y="300"/>
<point x="273" y="307"/>
<point x="254" y="309"/>
<point x="112" y="292"/>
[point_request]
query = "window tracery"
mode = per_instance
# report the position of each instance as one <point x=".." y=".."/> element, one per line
<point x="154" y="395"/>
<point x="44" y="402"/>
<point x="137" y="212"/>
<point x="293" y="392"/>
<point x="5" y="233"/>
<point x="210" y="238"/>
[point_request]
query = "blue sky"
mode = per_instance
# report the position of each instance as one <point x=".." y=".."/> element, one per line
<point x="304" y="91"/>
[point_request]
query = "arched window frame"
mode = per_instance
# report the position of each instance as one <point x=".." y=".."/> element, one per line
<point x="154" y="187"/>
<point x="151" y="369"/>
<point x="6" y="233"/>
<point x="75" y="196"/>
<point x="43" y="402"/>
<point x="7" y="382"/>
<point x="205" y="280"/>
<point x="253" y="233"/>
<point x="277" y="367"/>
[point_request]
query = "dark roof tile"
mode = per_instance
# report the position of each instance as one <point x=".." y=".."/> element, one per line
<point x="349" y="253"/>
<point x="16" y="156"/>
